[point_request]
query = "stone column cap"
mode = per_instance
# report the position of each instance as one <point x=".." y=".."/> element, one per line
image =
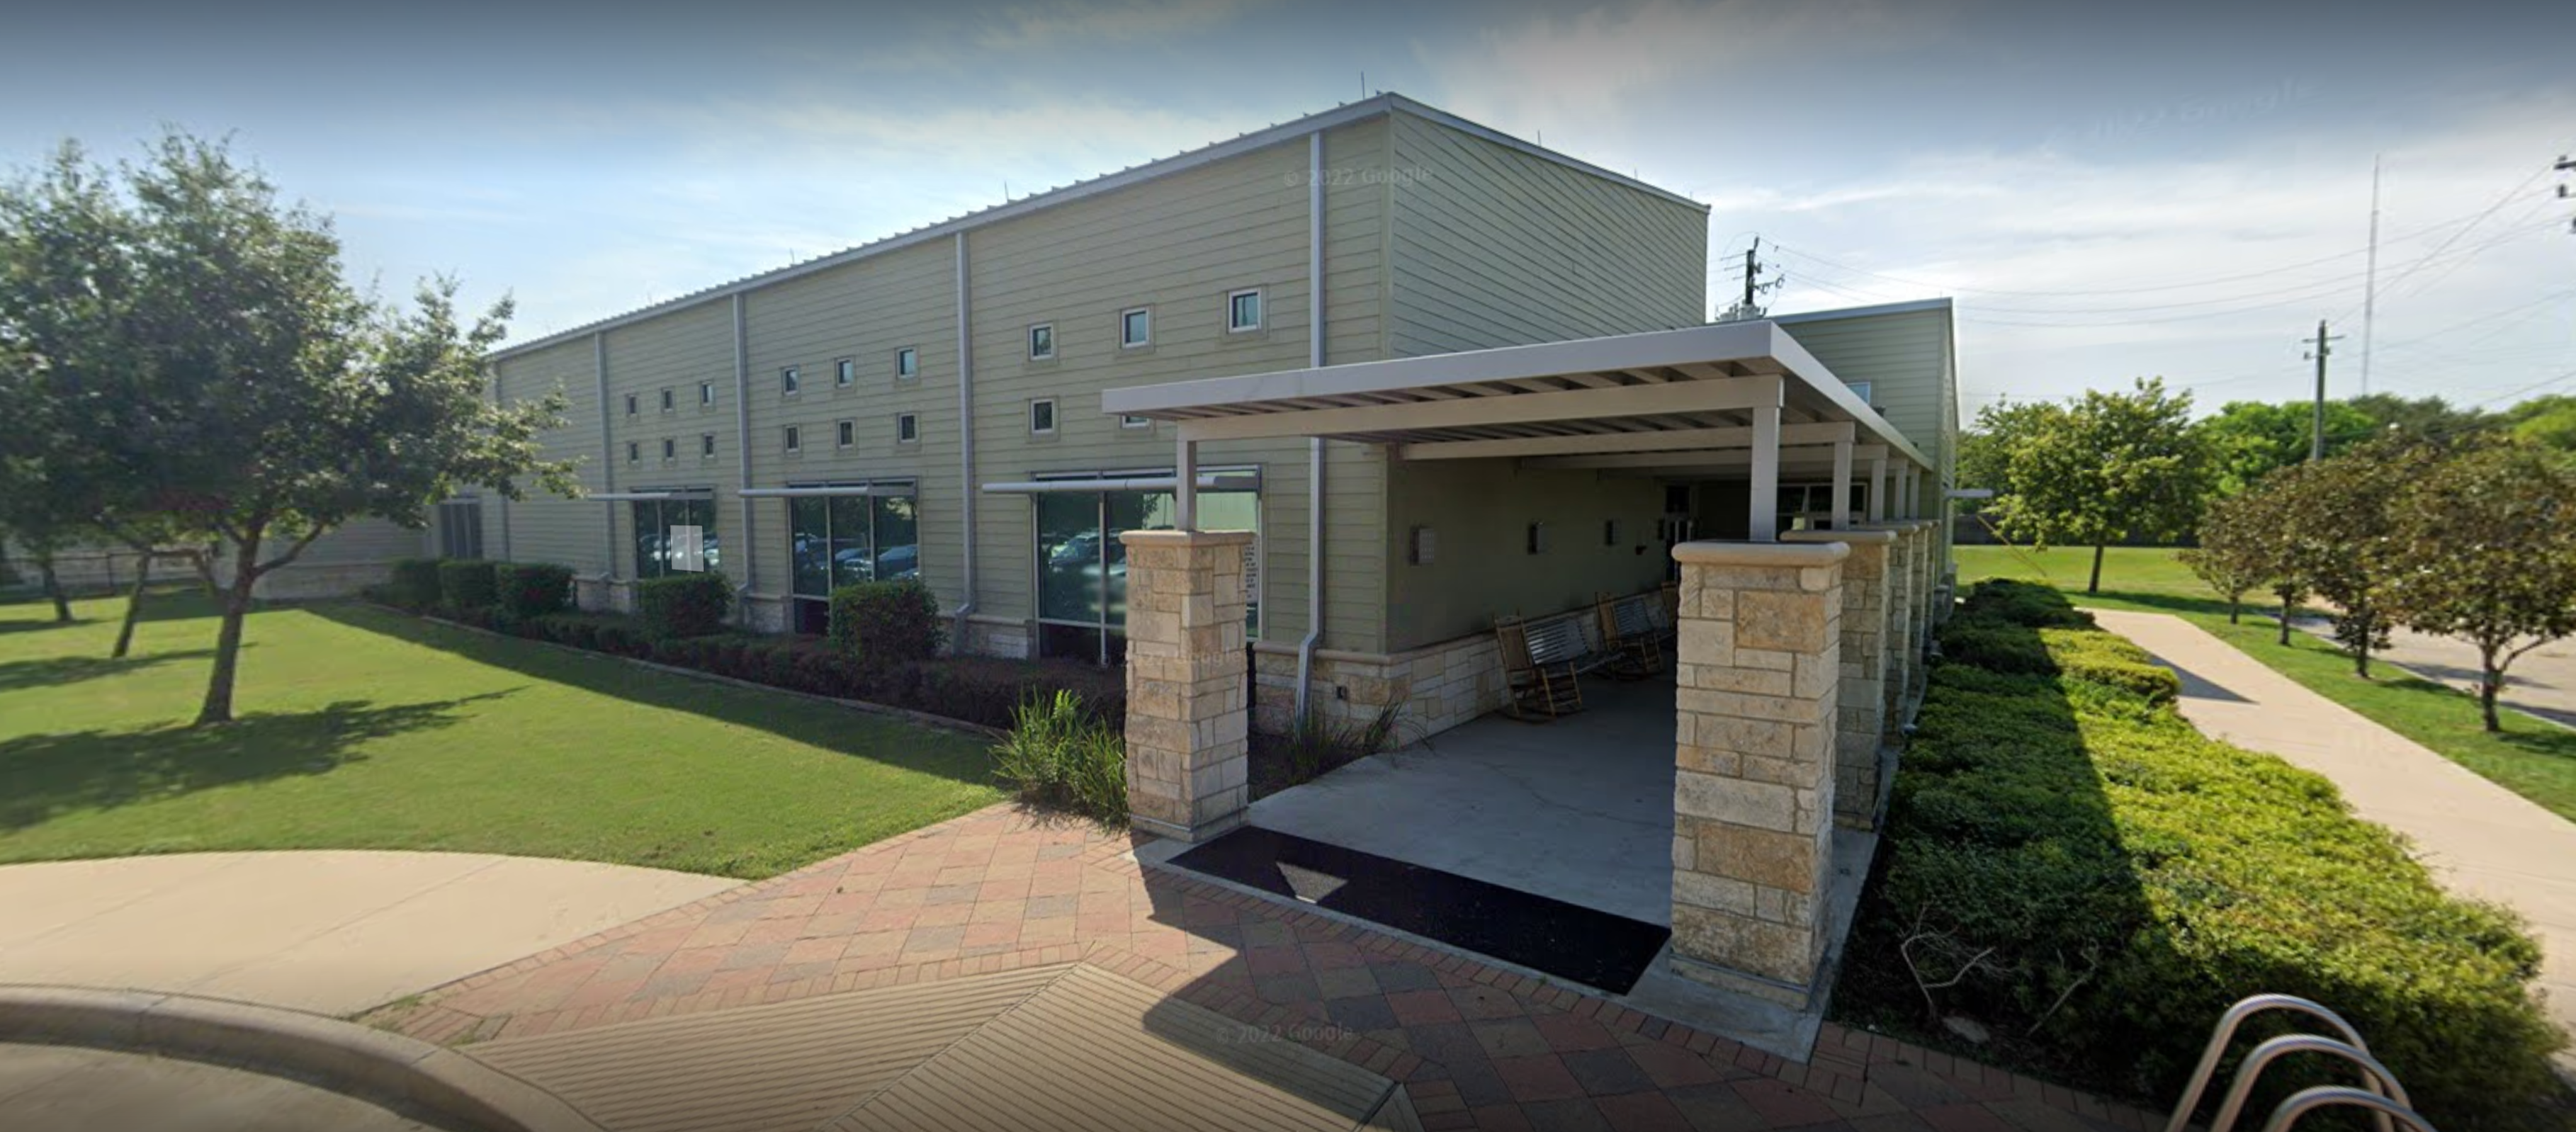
<point x="1867" y="537"/>
<point x="1185" y="538"/>
<point x="1786" y="554"/>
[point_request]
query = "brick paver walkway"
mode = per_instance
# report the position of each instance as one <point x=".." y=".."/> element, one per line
<point x="1477" y="1047"/>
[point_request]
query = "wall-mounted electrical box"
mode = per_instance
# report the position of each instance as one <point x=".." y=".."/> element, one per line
<point x="1425" y="545"/>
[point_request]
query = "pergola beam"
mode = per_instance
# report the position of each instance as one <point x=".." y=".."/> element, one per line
<point x="1473" y="412"/>
<point x="1801" y="454"/>
<point x="1664" y="440"/>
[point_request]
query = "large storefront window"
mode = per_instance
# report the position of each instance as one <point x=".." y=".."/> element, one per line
<point x="1082" y="567"/>
<point x="655" y="553"/>
<point x="839" y="539"/>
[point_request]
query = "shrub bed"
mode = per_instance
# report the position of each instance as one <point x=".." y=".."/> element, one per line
<point x="467" y="583"/>
<point x="2101" y="881"/>
<point x="414" y="584"/>
<point x="682" y="605"/>
<point x="879" y="625"/>
<point x="532" y="589"/>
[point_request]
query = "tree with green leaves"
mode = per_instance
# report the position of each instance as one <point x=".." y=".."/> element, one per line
<point x="2336" y="519"/>
<point x="2110" y="468"/>
<point x="2236" y="555"/>
<point x="2485" y="547"/>
<point x="2249" y="440"/>
<point x="2419" y="418"/>
<point x="201" y="341"/>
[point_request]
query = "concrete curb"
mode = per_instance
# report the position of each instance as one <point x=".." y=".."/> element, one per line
<point x="341" y="1056"/>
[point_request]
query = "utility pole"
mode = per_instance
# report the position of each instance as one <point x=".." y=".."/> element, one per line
<point x="2566" y="164"/>
<point x="2370" y="278"/>
<point x="2317" y="423"/>
<point x="1753" y="286"/>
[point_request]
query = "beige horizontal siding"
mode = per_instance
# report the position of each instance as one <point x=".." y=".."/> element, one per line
<point x="1494" y="247"/>
<point x="1906" y="356"/>
<point x="545" y="527"/>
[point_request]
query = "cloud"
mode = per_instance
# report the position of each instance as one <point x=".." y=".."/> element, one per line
<point x="1574" y="74"/>
<point x="1061" y="22"/>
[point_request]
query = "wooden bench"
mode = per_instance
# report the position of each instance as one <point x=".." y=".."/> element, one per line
<point x="1542" y="663"/>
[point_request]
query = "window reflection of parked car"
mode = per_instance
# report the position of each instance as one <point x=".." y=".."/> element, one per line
<point x="1081" y="548"/>
<point x="899" y="562"/>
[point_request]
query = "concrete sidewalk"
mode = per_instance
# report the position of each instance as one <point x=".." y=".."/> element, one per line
<point x="329" y="932"/>
<point x="2480" y="838"/>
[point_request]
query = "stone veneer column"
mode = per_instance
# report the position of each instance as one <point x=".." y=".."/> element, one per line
<point x="1861" y="722"/>
<point x="1758" y="680"/>
<point x="1902" y="644"/>
<point x="1186" y="725"/>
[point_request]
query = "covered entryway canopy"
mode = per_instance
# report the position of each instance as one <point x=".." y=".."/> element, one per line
<point x="1703" y="401"/>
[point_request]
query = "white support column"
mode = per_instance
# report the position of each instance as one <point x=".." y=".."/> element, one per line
<point x="1765" y="512"/>
<point x="1185" y="486"/>
<point x="1842" y="485"/>
<point x="1878" y="489"/>
<point x="1905" y="490"/>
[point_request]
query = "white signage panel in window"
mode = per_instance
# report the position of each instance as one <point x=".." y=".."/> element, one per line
<point x="688" y="548"/>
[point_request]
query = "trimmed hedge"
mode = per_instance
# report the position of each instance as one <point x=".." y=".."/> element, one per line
<point x="877" y="625"/>
<point x="414" y="584"/>
<point x="2105" y="880"/>
<point x="683" y="605"/>
<point x="532" y="589"/>
<point x="467" y="583"/>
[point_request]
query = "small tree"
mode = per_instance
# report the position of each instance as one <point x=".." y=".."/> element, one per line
<point x="2485" y="550"/>
<point x="241" y="390"/>
<point x="2111" y="468"/>
<point x="2234" y="556"/>
<point x="2336" y="518"/>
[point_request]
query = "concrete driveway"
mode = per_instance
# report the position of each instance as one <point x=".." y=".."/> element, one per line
<point x="328" y="932"/>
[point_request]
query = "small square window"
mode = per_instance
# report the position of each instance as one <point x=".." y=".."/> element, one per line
<point x="794" y="440"/>
<point x="670" y="448"/>
<point x="707" y="445"/>
<point x="845" y="433"/>
<point x="1041" y="341"/>
<point x="630" y="404"/>
<point x="787" y="380"/>
<point x="1136" y="327"/>
<point x="845" y="371"/>
<point x="1243" y="311"/>
<point x="1042" y="417"/>
<point x="1135" y="422"/>
<point x="666" y="400"/>
<point x="706" y="392"/>
<point x="907" y="364"/>
<point x="907" y="428"/>
<point x="634" y="451"/>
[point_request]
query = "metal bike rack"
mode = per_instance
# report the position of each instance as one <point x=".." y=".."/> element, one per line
<point x="2386" y="1098"/>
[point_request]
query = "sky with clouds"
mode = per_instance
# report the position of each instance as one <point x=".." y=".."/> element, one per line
<point x="2108" y="190"/>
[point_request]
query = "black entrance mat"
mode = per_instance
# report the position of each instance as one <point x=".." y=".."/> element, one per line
<point x="1594" y="948"/>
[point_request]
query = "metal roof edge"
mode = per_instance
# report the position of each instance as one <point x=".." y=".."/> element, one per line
<point x="1488" y="133"/>
<point x="1191" y="159"/>
<point x="1908" y="307"/>
<point x="1345" y="114"/>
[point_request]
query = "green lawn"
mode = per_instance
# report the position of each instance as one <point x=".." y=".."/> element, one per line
<point x="362" y="729"/>
<point x="2531" y="757"/>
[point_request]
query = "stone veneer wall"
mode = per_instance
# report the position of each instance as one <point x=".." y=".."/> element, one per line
<point x="1869" y="613"/>
<point x="1755" y="715"/>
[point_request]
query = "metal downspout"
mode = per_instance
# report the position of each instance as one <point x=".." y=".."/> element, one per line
<point x="607" y="465"/>
<point x="1314" y="444"/>
<point x="742" y="453"/>
<point x="965" y="450"/>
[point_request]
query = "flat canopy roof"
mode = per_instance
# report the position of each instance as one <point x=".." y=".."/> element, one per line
<point x="1667" y="398"/>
